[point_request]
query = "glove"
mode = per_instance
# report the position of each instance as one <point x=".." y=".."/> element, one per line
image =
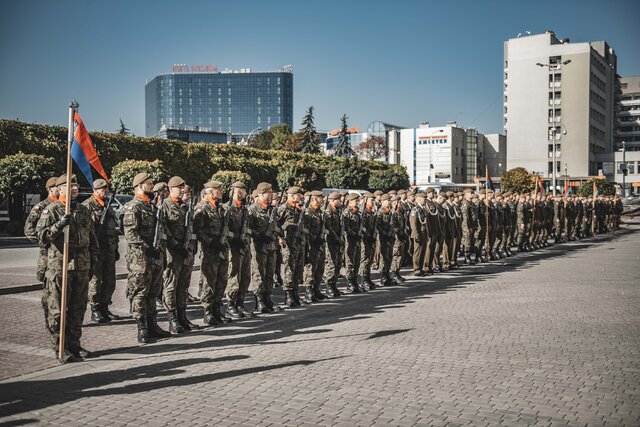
<point x="64" y="221"/>
<point x="117" y="255"/>
<point x="152" y="252"/>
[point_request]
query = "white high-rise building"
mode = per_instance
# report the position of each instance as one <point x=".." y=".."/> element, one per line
<point x="554" y="89"/>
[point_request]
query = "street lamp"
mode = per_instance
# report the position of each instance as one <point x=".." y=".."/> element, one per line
<point x="552" y="68"/>
<point x="623" y="169"/>
<point x="251" y="133"/>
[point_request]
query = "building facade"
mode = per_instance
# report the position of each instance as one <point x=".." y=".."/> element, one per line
<point x="562" y="92"/>
<point x="224" y="102"/>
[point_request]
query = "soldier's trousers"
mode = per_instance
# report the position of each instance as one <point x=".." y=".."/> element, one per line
<point x="103" y="283"/>
<point x="522" y="234"/>
<point x="432" y="244"/>
<point x="449" y="256"/>
<point x="480" y="237"/>
<point x="398" y="253"/>
<point x="263" y="268"/>
<point x="77" y="290"/>
<point x="214" y="271"/>
<point x="293" y="260"/>
<point x="332" y="262"/>
<point x="367" y="252"/>
<point x="175" y="283"/>
<point x="497" y="243"/>
<point x="42" y="264"/>
<point x="314" y="268"/>
<point x="386" y="256"/>
<point x="468" y="241"/>
<point x="239" y="273"/>
<point x="144" y="281"/>
<point x="490" y="239"/>
<point x="352" y="258"/>
<point x="419" y="254"/>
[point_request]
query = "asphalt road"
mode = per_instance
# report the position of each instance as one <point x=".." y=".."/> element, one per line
<point x="550" y="337"/>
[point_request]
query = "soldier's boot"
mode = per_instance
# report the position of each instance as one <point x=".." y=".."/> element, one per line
<point x="316" y="291"/>
<point x="361" y="285"/>
<point x="332" y="291"/>
<point x="289" y="300"/>
<point x="468" y="260"/>
<point x="273" y="308"/>
<point x="261" y="306"/>
<point x="97" y="316"/>
<point x="143" y="332"/>
<point x="184" y="320"/>
<point x="81" y="353"/>
<point x="440" y="268"/>
<point x="367" y="284"/>
<point x="159" y="305"/>
<point x="232" y="310"/>
<point x="209" y="318"/>
<point x="242" y="309"/>
<point x="399" y="277"/>
<point x="387" y="279"/>
<point x="104" y="309"/>
<point x="309" y="295"/>
<point x="352" y="287"/>
<point x="395" y="280"/>
<point x="67" y="357"/>
<point x="154" y="330"/>
<point x="298" y="301"/>
<point x="493" y="256"/>
<point x="219" y="315"/>
<point x="174" y="325"/>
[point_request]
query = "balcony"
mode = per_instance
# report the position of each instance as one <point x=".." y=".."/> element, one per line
<point x="558" y="119"/>
<point x="554" y="102"/>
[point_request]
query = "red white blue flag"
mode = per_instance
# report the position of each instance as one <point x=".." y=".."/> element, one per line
<point x="84" y="153"/>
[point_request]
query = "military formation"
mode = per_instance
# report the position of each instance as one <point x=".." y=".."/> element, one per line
<point x="254" y="241"/>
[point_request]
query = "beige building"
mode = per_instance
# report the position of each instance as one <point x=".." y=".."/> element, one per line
<point x="557" y="89"/>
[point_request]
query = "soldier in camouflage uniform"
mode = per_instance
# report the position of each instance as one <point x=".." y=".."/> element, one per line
<point x="103" y="283"/>
<point x="314" y="220"/>
<point x="333" y="227"/>
<point x="367" y="241"/>
<point x="262" y="222"/>
<point x="419" y="233"/>
<point x="31" y="233"/>
<point x="144" y="232"/>
<point x="386" y="235"/>
<point x="191" y="243"/>
<point x="481" y="231"/>
<point x="521" y="223"/>
<point x="293" y="243"/>
<point x="83" y="253"/>
<point x="351" y="219"/>
<point x="240" y="247"/>
<point x="208" y="219"/>
<point x="469" y="225"/>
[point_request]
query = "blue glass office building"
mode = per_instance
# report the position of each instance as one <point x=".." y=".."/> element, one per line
<point x="234" y="102"/>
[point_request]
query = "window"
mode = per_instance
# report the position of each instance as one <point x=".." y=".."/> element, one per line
<point x="555" y="60"/>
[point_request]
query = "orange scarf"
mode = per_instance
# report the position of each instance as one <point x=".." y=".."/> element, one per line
<point x="98" y="199"/>
<point x="176" y="200"/>
<point x="212" y="201"/>
<point x="143" y="197"/>
<point x="52" y="199"/>
<point x="263" y="204"/>
<point x="237" y="202"/>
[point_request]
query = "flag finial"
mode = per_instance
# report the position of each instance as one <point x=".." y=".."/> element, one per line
<point x="74" y="104"/>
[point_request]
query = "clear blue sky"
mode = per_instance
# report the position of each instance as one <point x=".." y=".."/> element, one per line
<point x="395" y="61"/>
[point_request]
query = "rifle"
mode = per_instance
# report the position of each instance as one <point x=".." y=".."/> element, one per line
<point x="245" y="217"/>
<point x="186" y="239"/>
<point x="103" y="217"/>
<point x="157" y="235"/>
<point x="296" y="235"/>
<point x="273" y="216"/>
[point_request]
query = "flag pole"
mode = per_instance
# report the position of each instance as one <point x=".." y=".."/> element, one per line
<point x="65" y="256"/>
<point x="533" y="213"/>
<point x="486" y="215"/>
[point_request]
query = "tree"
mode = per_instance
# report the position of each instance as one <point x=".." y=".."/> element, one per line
<point x="309" y="138"/>
<point x="518" y="180"/>
<point x="123" y="173"/>
<point x="229" y="177"/>
<point x="605" y="188"/>
<point x="300" y="174"/>
<point x="292" y="143"/>
<point x="22" y="174"/>
<point x="123" y="129"/>
<point x="280" y="132"/>
<point x="373" y="148"/>
<point x="262" y="140"/>
<point x="348" y="173"/>
<point x="343" y="147"/>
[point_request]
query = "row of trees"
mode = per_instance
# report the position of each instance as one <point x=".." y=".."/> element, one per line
<point x="520" y="180"/>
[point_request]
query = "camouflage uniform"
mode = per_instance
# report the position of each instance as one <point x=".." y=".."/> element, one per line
<point x="469" y="224"/>
<point x="385" y="229"/>
<point x="83" y="252"/>
<point x="240" y="245"/>
<point x="103" y="282"/>
<point x="367" y="244"/>
<point x="263" y="250"/>
<point x="176" y="272"/>
<point x="333" y="261"/>
<point x="401" y="238"/>
<point x="315" y="257"/>
<point x="293" y="251"/>
<point x="351" y="226"/>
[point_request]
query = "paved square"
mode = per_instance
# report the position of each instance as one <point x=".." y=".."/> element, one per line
<point x="547" y="338"/>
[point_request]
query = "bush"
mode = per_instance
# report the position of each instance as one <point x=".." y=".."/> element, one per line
<point x="300" y="174"/>
<point x="605" y="188"/>
<point x="229" y="177"/>
<point x="25" y="173"/>
<point x="389" y="179"/>
<point x="123" y="173"/>
<point x="348" y="173"/>
<point x="517" y="180"/>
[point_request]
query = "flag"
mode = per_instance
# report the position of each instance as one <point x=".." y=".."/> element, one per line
<point x="83" y="152"/>
<point x="567" y="189"/>
<point x="595" y="190"/>
<point x="489" y="184"/>
<point x="542" y="189"/>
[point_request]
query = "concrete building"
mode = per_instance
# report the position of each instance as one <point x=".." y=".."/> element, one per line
<point x="449" y="153"/>
<point x="555" y="88"/>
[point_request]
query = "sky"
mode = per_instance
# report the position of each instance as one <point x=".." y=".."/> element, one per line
<point x="401" y="62"/>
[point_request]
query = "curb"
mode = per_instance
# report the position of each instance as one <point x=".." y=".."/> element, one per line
<point x="38" y="286"/>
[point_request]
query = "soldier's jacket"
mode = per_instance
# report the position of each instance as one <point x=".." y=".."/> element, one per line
<point x="499" y="209"/>
<point x="528" y="215"/>
<point x="433" y="219"/>
<point x="333" y="226"/>
<point x="139" y="224"/>
<point x="368" y="224"/>
<point x="193" y="241"/>
<point x="32" y="220"/>
<point x="400" y="222"/>
<point x="558" y="211"/>
<point x="238" y="236"/>
<point x="174" y="217"/>
<point x="351" y="224"/>
<point x="506" y="215"/>
<point x="521" y="212"/>
<point x="314" y="224"/>
<point x="406" y="210"/>
<point x="570" y="210"/>
<point x="481" y="212"/>
<point x="446" y="228"/>
<point x="491" y="214"/>
<point x="458" y="213"/>
<point x="418" y="223"/>
<point x="208" y="217"/>
<point x="385" y="226"/>
<point x="107" y="234"/>
<point x="513" y="209"/>
<point x="288" y="220"/>
<point x="579" y="208"/>
<point x="263" y="232"/>
<point x="83" y="248"/>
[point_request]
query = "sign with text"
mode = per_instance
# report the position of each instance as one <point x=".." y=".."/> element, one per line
<point x="183" y="68"/>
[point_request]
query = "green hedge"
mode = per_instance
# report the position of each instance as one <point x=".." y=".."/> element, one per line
<point x="197" y="162"/>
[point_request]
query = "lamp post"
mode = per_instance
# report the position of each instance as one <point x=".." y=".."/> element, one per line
<point x="251" y="133"/>
<point x="624" y="169"/>
<point x="552" y="69"/>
